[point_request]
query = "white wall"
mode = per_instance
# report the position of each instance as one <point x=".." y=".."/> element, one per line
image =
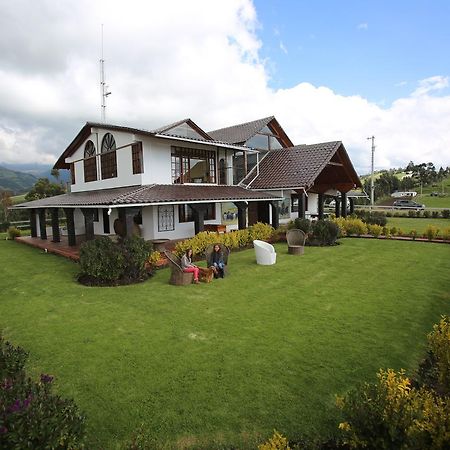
<point x="157" y="161"/>
<point x="125" y="176"/>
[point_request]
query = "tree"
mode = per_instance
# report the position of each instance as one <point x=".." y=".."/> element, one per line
<point x="55" y="174"/>
<point x="6" y="202"/>
<point x="43" y="188"/>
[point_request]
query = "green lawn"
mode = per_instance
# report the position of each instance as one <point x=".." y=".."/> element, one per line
<point x="225" y="363"/>
<point x="419" y="224"/>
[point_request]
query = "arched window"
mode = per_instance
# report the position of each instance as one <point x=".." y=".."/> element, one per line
<point x="90" y="162"/>
<point x="108" y="157"/>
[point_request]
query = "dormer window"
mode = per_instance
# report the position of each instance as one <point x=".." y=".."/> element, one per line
<point x="265" y="139"/>
<point x="108" y="157"/>
<point x="193" y="165"/>
<point x="90" y="162"/>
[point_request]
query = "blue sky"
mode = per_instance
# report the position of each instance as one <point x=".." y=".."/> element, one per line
<point x="376" y="49"/>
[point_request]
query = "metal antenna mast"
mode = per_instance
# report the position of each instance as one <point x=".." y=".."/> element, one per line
<point x="103" y="88"/>
<point x="372" y="187"/>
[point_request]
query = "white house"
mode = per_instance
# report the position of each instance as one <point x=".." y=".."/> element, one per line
<point x="177" y="180"/>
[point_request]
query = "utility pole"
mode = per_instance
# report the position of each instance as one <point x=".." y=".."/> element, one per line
<point x="372" y="187"/>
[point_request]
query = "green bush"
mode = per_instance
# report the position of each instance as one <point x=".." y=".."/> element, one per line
<point x="350" y="226"/>
<point x="371" y="217"/>
<point x="426" y="214"/>
<point x="413" y="234"/>
<point x="325" y="232"/>
<point x="434" y="214"/>
<point x="445" y="213"/>
<point x="261" y="231"/>
<point x="412" y="213"/>
<point x="446" y="234"/>
<point x="4" y="226"/>
<point x="135" y="251"/>
<point x="31" y="416"/>
<point x="102" y="259"/>
<point x="301" y="224"/>
<point x="13" y="232"/>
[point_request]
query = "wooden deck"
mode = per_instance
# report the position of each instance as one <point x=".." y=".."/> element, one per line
<point x="58" y="248"/>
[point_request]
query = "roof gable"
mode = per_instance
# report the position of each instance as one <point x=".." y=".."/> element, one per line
<point x="243" y="132"/>
<point x="304" y="166"/>
<point x="186" y="128"/>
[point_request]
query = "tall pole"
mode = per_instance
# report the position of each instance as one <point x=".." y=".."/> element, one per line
<point x="103" y="88"/>
<point x="372" y="187"/>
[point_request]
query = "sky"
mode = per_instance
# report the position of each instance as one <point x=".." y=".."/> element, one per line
<point x="327" y="69"/>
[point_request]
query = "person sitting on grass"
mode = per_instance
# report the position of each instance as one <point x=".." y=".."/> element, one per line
<point x="187" y="266"/>
<point x="216" y="261"/>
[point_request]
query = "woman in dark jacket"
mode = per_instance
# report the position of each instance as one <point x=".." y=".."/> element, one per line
<point x="216" y="261"/>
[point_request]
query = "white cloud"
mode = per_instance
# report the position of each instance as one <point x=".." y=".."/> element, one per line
<point x="283" y="48"/>
<point x="363" y="26"/>
<point x="190" y="59"/>
<point x="436" y="83"/>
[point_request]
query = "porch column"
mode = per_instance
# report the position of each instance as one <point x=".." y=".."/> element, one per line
<point x="199" y="216"/>
<point x="88" y="214"/>
<point x="70" y="226"/>
<point x="275" y="214"/>
<point x="352" y="205"/>
<point x="42" y="225"/>
<point x="337" y="209"/>
<point x="242" y="215"/>
<point x="129" y="220"/>
<point x="320" y="206"/>
<point x="344" y="204"/>
<point x="301" y="203"/>
<point x="55" y="225"/>
<point x="33" y="226"/>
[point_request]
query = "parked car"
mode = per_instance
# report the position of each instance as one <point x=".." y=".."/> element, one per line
<point x="407" y="204"/>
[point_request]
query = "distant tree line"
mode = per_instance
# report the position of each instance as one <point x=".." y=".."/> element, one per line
<point x="417" y="175"/>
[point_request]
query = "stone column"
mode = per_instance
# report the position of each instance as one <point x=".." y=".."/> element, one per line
<point x="337" y="209"/>
<point x="42" y="224"/>
<point x="33" y="225"/>
<point x="89" y="215"/>
<point x="275" y="214"/>
<point x="242" y="214"/>
<point x="70" y="226"/>
<point x="55" y="225"/>
<point x="344" y="204"/>
<point x="320" y="206"/>
<point x="352" y="205"/>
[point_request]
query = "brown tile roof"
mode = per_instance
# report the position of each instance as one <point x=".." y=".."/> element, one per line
<point x="150" y="194"/>
<point x="241" y="133"/>
<point x="292" y="167"/>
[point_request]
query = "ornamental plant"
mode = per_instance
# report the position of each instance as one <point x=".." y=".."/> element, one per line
<point x="350" y="226"/>
<point x="375" y="230"/>
<point x="13" y="232"/>
<point x="276" y="442"/>
<point x="391" y="414"/>
<point x="31" y="416"/>
<point x="431" y="232"/>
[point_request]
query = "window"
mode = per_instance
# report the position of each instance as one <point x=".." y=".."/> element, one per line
<point x="186" y="213"/>
<point x="90" y="162"/>
<point x="72" y="173"/>
<point x="136" y="156"/>
<point x="193" y="166"/>
<point x="106" y="227"/>
<point x="166" y="218"/>
<point x="265" y="139"/>
<point x="184" y="130"/>
<point x="242" y="164"/>
<point x="108" y="157"/>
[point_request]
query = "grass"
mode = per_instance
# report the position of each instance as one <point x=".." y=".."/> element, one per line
<point x="406" y="224"/>
<point x="226" y="363"/>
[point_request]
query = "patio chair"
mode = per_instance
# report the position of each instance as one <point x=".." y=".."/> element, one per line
<point x="265" y="253"/>
<point x="296" y="241"/>
<point x="177" y="276"/>
<point x="225" y="252"/>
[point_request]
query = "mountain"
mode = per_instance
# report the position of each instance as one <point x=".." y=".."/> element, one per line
<point x="17" y="182"/>
<point x="38" y="170"/>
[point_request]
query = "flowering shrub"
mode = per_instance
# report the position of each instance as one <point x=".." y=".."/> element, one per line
<point x="13" y="232"/>
<point x="31" y="416"/>
<point x="413" y="234"/>
<point x="153" y="258"/>
<point x="439" y="344"/>
<point x="446" y="234"/>
<point x="233" y="240"/>
<point x="276" y="442"/>
<point x="431" y="232"/>
<point x="393" y="415"/>
<point x="375" y="230"/>
<point x="350" y="225"/>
